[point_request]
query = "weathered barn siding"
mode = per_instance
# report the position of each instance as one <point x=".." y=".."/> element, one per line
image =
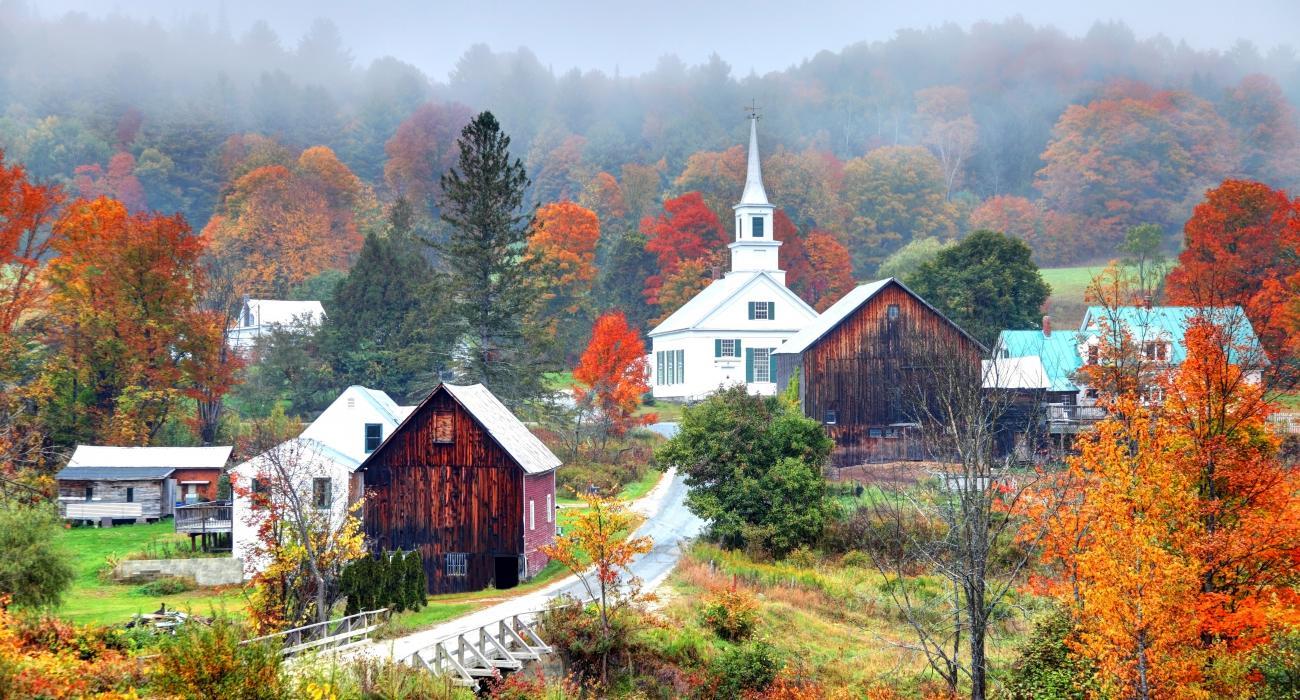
<point x="539" y="519"/>
<point x="148" y="494"/>
<point x="870" y="370"/>
<point x="463" y="496"/>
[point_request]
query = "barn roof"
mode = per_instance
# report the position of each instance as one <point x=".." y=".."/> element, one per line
<point x="840" y="310"/>
<point x="513" y="436"/>
<point x="114" y="473"/>
<point x="137" y="457"/>
<point x="509" y="432"/>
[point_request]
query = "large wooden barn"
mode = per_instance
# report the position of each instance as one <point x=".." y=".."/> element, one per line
<point x="465" y="483"/>
<point x="862" y="365"/>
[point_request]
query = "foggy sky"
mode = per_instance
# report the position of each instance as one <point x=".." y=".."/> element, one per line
<point x="754" y="35"/>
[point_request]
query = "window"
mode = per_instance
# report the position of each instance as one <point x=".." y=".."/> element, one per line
<point x="762" y="310"/>
<point x="320" y="493"/>
<point x="90" y="492"/>
<point x="532" y="514"/>
<point x="762" y="360"/>
<point x="130" y="494"/>
<point x="443" y="428"/>
<point x="875" y="433"/>
<point x="374" y="436"/>
<point x="1090" y="393"/>
<point x="740" y="228"/>
<point x="830" y="417"/>
<point x="352" y="402"/>
<point x="726" y="347"/>
<point x="891" y="433"/>
<point x="550" y="509"/>
<point x="670" y="367"/>
<point x="1155" y="351"/>
<point x="456" y="564"/>
<point x="259" y="487"/>
<point x="893" y="312"/>
<point x="757" y="223"/>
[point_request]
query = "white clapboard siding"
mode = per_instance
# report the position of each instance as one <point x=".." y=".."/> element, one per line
<point x="91" y="510"/>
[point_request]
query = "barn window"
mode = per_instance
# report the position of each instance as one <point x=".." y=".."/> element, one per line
<point x="532" y="514"/>
<point x="90" y="493"/>
<point x="874" y="432"/>
<point x="443" y="431"/>
<point x="830" y="417"/>
<point x="320" y="493"/>
<point x="374" y="436"/>
<point x="456" y="564"/>
<point x="130" y="494"/>
<point x="893" y="312"/>
<point x="550" y="509"/>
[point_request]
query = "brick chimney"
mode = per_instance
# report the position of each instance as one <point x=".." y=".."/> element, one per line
<point x="1047" y="326"/>
<point x="716" y="272"/>
<point x="1146" y="301"/>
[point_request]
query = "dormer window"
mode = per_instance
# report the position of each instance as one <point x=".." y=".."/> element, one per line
<point x="374" y="436"/>
<point x="758" y="226"/>
<point x="1155" y="351"/>
<point x="762" y="310"/>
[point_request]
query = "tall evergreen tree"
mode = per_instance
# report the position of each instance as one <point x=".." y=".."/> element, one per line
<point x="489" y="271"/>
<point x="626" y="265"/>
<point x="384" y="328"/>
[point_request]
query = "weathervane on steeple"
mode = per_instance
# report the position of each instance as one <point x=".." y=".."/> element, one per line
<point x="753" y="109"/>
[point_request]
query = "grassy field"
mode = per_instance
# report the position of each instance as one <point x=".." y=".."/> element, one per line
<point x="1069" y="284"/>
<point x="93" y="600"/>
<point x="837" y="621"/>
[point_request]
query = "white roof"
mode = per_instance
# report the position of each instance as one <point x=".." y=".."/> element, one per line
<point x="694" y="312"/>
<point x="175" y="457"/>
<point x="309" y="450"/>
<point x="1015" y="373"/>
<point x="269" y="311"/>
<point x="820" y="326"/>
<point x="513" y="436"/>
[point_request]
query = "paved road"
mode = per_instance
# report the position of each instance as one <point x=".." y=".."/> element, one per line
<point x="669" y="523"/>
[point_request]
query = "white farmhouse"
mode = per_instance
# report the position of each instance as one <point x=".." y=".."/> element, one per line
<point x="258" y="316"/>
<point x="322" y="461"/>
<point x="726" y="334"/>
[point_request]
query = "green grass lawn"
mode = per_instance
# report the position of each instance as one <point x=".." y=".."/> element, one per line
<point x="665" y="411"/>
<point x="92" y="600"/>
<point x="1069" y="284"/>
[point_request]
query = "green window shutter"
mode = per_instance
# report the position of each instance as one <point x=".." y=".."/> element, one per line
<point x="749" y="365"/>
<point x="751" y="311"/>
<point x="771" y="365"/>
<point x="681" y="366"/>
<point x="736" y="353"/>
<point x="717" y="347"/>
<point x="659" y="367"/>
<point x="771" y="310"/>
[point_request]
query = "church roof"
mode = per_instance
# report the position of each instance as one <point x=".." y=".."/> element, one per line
<point x="713" y="297"/>
<point x="754" y="192"/>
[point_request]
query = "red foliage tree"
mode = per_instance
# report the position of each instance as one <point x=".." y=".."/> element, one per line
<point x="1241" y="247"/>
<point x="830" y="271"/>
<point x="118" y="182"/>
<point x="26" y="208"/>
<point x="686" y="230"/>
<point x="613" y="374"/>
<point x="422" y="149"/>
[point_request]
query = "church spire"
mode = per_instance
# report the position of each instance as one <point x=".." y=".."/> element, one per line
<point x="754" y="192"/>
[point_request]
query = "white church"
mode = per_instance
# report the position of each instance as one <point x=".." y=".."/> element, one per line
<point x="726" y="334"/>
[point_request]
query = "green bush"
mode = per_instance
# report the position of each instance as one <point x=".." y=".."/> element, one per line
<point x="1278" y="667"/>
<point x="752" y="667"/>
<point x="1046" y="668"/>
<point x="856" y="559"/>
<point x="202" y="662"/>
<point x="393" y="580"/>
<point x="575" y="631"/>
<point x="34" y="571"/>
<point x="168" y="585"/>
<point x="731" y="613"/>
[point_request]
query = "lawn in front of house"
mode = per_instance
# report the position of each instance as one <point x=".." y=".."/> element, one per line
<point x="91" y="600"/>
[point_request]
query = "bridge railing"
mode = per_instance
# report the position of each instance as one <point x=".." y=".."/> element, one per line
<point x="331" y="634"/>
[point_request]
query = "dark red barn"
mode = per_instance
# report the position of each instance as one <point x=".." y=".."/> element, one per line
<point x="465" y="483"/>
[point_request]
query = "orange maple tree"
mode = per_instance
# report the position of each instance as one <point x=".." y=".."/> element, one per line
<point x="613" y="374"/>
<point x="26" y="209"/>
<point x="830" y="270"/>
<point x="422" y="149"/>
<point x="1177" y="544"/>
<point x="564" y="241"/>
<point x="121" y="319"/>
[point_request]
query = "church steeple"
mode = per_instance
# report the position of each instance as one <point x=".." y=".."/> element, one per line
<point x="755" y="248"/>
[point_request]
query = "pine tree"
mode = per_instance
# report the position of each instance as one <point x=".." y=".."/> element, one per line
<point x="489" y="270"/>
<point x="385" y="328"/>
<point x="416" y="584"/>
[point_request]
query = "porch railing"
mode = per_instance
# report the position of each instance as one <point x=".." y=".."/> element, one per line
<point x="331" y="634"/>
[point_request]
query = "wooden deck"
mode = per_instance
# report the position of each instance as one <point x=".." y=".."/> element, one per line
<point x="210" y="524"/>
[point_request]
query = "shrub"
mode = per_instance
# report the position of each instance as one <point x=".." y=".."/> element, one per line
<point x="1277" y="665"/>
<point x="370" y="678"/>
<point x="752" y="667"/>
<point x="393" y="580"/>
<point x="42" y="656"/>
<point x="1046" y="668"/>
<point x="34" y="570"/>
<point x="576" y="633"/>
<point x="203" y="661"/>
<point x="731" y="613"/>
<point x="856" y="559"/>
<point x="169" y="585"/>
<point x="803" y="558"/>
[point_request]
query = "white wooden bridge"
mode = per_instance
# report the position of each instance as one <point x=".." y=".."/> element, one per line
<point x="487" y="652"/>
<point x="333" y="635"/>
